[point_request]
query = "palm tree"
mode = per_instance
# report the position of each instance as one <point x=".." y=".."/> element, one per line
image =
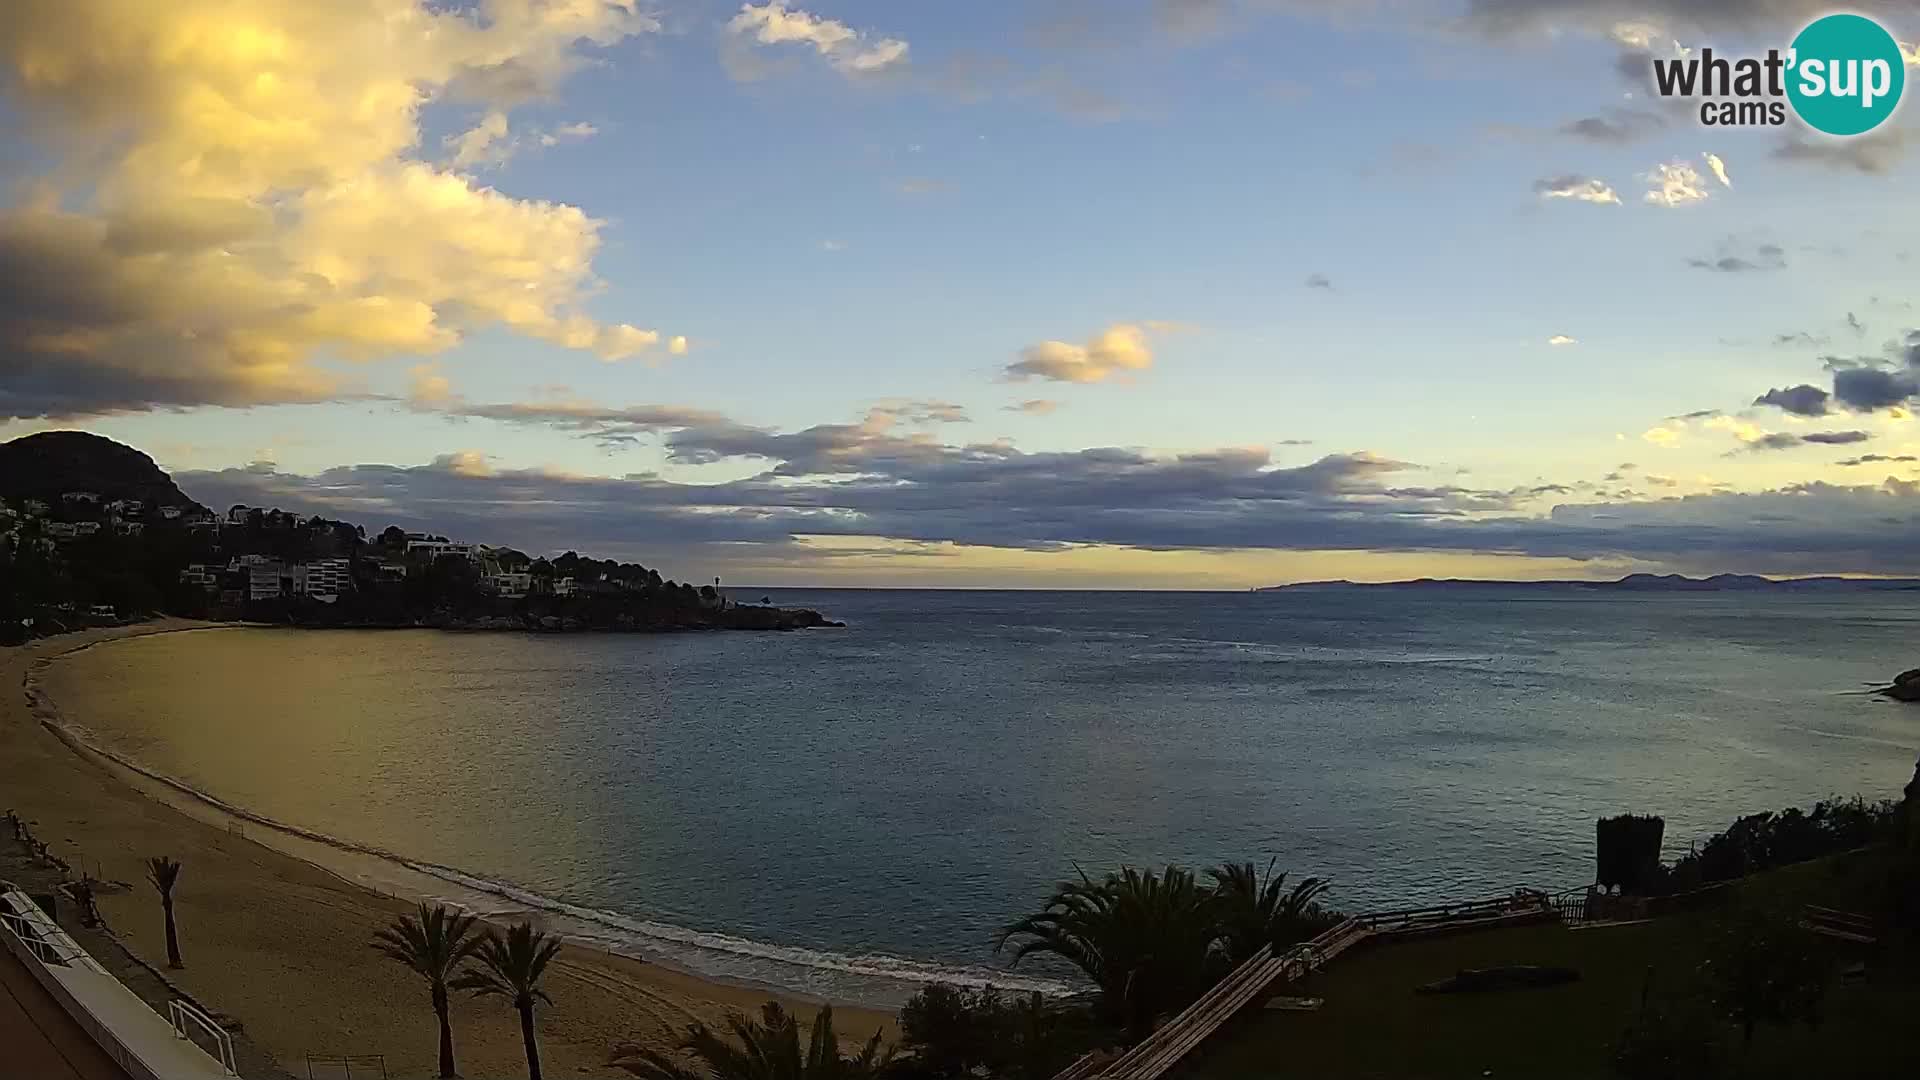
<point x="511" y="968"/>
<point x="1253" y="912"/>
<point x="165" y="873"/>
<point x="768" y="1049"/>
<point x="1148" y="941"/>
<point x="435" y="943"/>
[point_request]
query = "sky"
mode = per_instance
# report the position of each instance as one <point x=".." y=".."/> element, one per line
<point x="1050" y="293"/>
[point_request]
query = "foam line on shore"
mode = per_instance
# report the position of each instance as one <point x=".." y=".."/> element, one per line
<point x="873" y="979"/>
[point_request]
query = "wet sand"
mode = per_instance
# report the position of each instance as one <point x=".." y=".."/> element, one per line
<point x="280" y="942"/>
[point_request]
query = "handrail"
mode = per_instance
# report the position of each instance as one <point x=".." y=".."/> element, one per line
<point x="180" y="1012"/>
<point x="41" y="935"/>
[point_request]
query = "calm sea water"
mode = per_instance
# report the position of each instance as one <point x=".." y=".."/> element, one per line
<point x="850" y="811"/>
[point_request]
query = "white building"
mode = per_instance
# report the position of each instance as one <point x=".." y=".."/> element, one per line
<point x="238" y="515"/>
<point x="267" y="578"/>
<point x="563" y="586"/>
<point x="170" y="513"/>
<point x="433" y="549"/>
<point x="204" y="575"/>
<point x="60" y="530"/>
<point x="323" y="579"/>
<point x="510" y="584"/>
<point x="92" y="497"/>
<point x="35" y="507"/>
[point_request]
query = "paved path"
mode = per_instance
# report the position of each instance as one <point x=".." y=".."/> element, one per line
<point x="40" y="1040"/>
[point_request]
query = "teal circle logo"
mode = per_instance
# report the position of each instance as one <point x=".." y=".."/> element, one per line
<point x="1846" y="75"/>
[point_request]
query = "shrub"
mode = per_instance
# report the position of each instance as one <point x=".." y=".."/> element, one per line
<point x="950" y="1033"/>
<point x="1767" y="840"/>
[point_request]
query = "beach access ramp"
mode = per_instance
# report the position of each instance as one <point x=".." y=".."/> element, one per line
<point x="129" y="1040"/>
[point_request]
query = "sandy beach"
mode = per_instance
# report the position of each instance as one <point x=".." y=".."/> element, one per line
<point x="280" y="942"/>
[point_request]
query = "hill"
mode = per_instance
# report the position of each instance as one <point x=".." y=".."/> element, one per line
<point x="49" y="463"/>
<point x="1630" y="583"/>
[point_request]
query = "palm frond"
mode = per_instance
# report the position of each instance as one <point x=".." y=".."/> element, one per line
<point x="510" y="966"/>
<point x="164" y="873"/>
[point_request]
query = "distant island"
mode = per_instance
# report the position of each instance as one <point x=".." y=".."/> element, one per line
<point x="92" y="532"/>
<point x="1630" y="583"/>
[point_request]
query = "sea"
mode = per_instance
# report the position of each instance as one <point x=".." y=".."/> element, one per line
<point x="853" y="813"/>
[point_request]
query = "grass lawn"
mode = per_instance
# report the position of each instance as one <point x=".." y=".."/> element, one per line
<point x="1374" y="1025"/>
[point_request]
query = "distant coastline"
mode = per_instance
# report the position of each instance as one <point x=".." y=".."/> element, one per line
<point x="1630" y="583"/>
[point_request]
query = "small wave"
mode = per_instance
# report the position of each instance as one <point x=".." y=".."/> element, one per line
<point x="874" y="979"/>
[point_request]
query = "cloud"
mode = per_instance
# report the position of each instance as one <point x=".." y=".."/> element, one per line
<point x="1719" y="169"/>
<point x="995" y="495"/>
<point x="1879" y="459"/>
<point x="1801" y="400"/>
<point x="1120" y="348"/>
<point x="921" y="185"/>
<point x="1786" y="440"/>
<point x="920" y="413"/>
<point x="1674" y="184"/>
<point x="1732" y="259"/>
<point x="1664" y="436"/>
<point x="1874" y="153"/>
<point x="483" y="144"/>
<point x="1868" y="388"/>
<point x="1319" y="281"/>
<point x="1562" y="339"/>
<point x="429" y="387"/>
<point x="851" y="52"/>
<point x="490" y="143"/>
<point x="1035" y="406"/>
<point x="1615" y="126"/>
<point x="1641" y="23"/>
<point x="1576" y="187"/>
<point x="220" y="213"/>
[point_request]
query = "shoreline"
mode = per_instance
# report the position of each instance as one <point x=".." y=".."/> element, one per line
<point x="314" y="987"/>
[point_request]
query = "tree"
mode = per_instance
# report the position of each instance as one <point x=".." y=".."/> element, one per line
<point x="1147" y="940"/>
<point x="165" y="874"/>
<point x="1764" y="968"/>
<point x="435" y="943"/>
<point x="962" y="1034"/>
<point x="766" y="1049"/>
<point x="1253" y="912"/>
<point x="511" y="968"/>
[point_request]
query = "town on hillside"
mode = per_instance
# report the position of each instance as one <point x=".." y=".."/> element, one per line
<point x="83" y="559"/>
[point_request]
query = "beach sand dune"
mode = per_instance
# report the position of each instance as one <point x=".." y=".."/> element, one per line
<point x="280" y="944"/>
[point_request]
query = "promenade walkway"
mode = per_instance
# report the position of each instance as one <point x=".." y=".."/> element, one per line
<point x="40" y="1040"/>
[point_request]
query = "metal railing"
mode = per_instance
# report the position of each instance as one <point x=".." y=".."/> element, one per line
<point x="40" y="935"/>
<point x="183" y="1016"/>
<point x="368" y="1065"/>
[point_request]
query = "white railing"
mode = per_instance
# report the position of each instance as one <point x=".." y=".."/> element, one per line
<point x="182" y="1014"/>
<point x="40" y="935"/>
<point x="146" y="1045"/>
